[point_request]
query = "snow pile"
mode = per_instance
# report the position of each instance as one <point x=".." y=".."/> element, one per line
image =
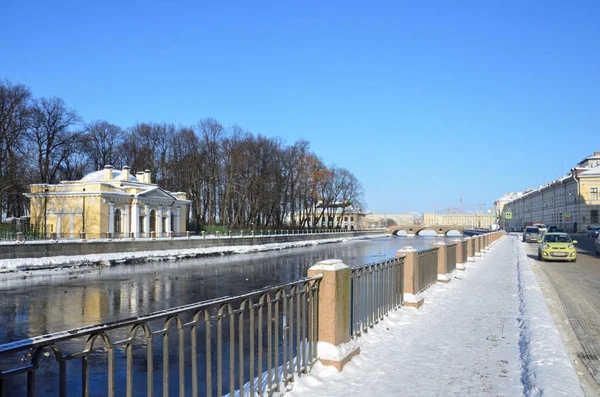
<point x="486" y="333"/>
<point x="547" y="368"/>
<point x="54" y="262"/>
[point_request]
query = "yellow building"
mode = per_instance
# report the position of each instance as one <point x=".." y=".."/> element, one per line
<point x="108" y="201"/>
<point x="469" y="221"/>
<point x="571" y="202"/>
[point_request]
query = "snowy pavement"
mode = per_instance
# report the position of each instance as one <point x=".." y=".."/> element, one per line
<point x="486" y="333"/>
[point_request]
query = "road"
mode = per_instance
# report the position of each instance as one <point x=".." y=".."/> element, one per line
<point x="572" y="291"/>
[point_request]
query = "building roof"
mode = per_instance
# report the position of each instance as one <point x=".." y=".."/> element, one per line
<point x="98" y="176"/>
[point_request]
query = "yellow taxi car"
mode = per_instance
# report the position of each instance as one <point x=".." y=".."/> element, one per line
<point x="557" y="246"/>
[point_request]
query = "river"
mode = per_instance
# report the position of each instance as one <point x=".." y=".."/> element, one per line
<point x="64" y="300"/>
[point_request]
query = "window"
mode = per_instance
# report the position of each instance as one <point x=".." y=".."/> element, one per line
<point x="594" y="216"/>
<point x="153" y="221"/>
<point x="593" y="193"/>
<point x="117" y="221"/>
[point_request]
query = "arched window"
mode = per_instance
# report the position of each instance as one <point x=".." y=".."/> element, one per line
<point x="153" y="221"/>
<point x="118" y="221"/>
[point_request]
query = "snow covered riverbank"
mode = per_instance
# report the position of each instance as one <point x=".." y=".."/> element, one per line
<point x="18" y="266"/>
<point x="486" y="333"/>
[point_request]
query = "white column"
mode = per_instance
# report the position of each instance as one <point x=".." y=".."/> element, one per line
<point x="178" y="221"/>
<point x="111" y="218"/>
<point x="58" y="222"/>
<point x="72" y="232"/>
<point x="147" y="220"/>
<point x="169" y="226"/>
<point x="135" y="216"/>
<point x="125" y="222"/>
<point x="159" y="221"/>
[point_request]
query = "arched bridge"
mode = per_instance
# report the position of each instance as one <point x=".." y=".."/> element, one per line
<point x="414" y="230"/>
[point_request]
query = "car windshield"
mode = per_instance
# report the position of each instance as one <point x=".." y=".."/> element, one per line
<point x="557" y="238"/>
<point x="532" y="230"/>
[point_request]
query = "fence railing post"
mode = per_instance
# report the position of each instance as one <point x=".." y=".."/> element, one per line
<point x="412" y="297"/>
<point x="476" y="249"/>
<point x="460" y="259"/>
<point x="442" y="263"/>
<point x="334" y="345"/>
<point x="470" y="251"/>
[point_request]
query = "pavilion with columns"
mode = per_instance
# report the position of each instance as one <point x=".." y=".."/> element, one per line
<point x="108" y="203"/>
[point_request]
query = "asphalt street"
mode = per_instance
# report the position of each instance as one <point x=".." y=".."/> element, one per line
<point x="572" y="291"/>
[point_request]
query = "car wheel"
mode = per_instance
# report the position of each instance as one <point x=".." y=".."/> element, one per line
<point x="540" y="257"/>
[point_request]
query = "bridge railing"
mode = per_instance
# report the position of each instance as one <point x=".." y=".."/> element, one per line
<point x="376" y="289"/>
<point x="428" y="262"/>
<point x="246" y="345"/>
<point x="451" y="258"/>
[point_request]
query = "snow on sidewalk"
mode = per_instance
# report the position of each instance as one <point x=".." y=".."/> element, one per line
<point x="469" y="339"/>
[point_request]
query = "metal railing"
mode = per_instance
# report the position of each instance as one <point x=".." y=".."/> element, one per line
<point x="451" y="258"/>
<point x="376" y="289"/>
<point x="244" y="345"/>
<point x="428" y="260"/>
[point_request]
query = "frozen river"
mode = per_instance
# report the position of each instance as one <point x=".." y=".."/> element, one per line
<point x="63" y="300"/>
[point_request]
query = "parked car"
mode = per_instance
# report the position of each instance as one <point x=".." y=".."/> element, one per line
<point x="552" y="229"/>
<point x="532" y="234"/>
<point x="593" y="231"/>
<point x="557" y="246"/>
<point x="542" y="227"/>
<point x="597" y="244"/>
<point x="559" y="230"/>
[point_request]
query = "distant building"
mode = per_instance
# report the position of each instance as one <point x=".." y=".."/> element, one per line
<point x="376" y="220"/>
<point x="343" y="216"/>
<point x="571" y="202"/>
<point x="108" y="201"/>
<point x="469" y="221"/>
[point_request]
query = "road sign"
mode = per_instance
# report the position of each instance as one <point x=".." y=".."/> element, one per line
<point x="567" y="220"/>
<point x="567" y="215"/>
<point x="508" y="215"/>
<point x="494" y="216"/>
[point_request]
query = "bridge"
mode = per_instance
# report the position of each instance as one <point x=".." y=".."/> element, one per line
<point x="414" y="230"/>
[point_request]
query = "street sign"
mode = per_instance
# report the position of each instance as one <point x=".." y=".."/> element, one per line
<point x="508" y="215"/>
<point x="494" y="216"/>
<point x="567" y="215"/>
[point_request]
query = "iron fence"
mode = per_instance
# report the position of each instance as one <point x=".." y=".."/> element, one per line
<point x="451" y="258"/>
<point x="244" y="345"/>
<point x="376" y="289"/>
<point x="428" y="260"/>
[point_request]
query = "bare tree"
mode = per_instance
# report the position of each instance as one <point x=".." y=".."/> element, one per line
<point x="51" y="136"/>
<point x="103" y="141"/>
<point x="15" y="112"/>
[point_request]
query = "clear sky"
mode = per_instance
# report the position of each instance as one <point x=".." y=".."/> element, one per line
<point x="421" y="100"/>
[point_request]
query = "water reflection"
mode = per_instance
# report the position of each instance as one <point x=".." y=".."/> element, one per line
<point x="40" y="305"/>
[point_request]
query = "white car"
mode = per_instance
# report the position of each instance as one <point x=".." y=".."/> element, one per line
<point x="593" y="232"/>
<point x="597" y="244"/>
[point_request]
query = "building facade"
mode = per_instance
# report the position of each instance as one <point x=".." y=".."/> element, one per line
<point x="375" y="220"/>
<point x="108" y="201"/>
<point x="571" y="202"/>
<point x="469" y="221"/>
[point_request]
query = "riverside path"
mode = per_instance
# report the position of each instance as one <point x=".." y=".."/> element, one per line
<point x="486" y="333"/>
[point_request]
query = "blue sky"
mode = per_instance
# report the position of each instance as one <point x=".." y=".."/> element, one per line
<point x="420" y="100"/>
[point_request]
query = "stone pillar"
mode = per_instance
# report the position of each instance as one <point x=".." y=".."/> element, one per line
<point x="476" y="249"/>
<point x="170" y="234"/>
<point x="169" y="226"/>
<point x="135" y="219"/>
<point x="111" y="218"/>
<point x="203" y="234"/>
<point x="334" y="345"/>
<point x="178" y="220"/>
<point x="217" y="233"/>
<point x="442" y="265"/>
<point x="82" y="236"/>
<point x="470" y="249"/>
<point x="153" y="235"/>
<point x="159" y="223"/>
<point x="187" y="234"/>
<point x="252" y="233"/>
<point x="20" y="237"/>
<point x="242" y="233"/>
<point x="125" y="222"/>
<point x="412" y="297"/>
<point x="460" y="260"/>
<point x="147" y="220"/>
